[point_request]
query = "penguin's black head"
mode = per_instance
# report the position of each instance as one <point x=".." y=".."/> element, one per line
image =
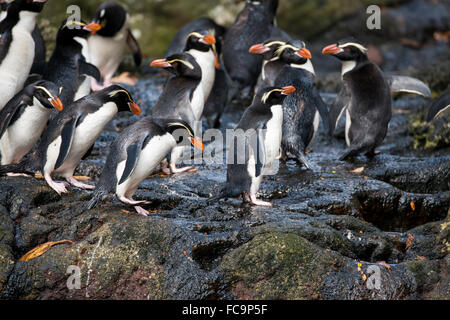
<point x="47" y="94"/>
<point x="122" y="98"/>
<point x="267" y="49"/>
<point x="26" y="5"/>
<point x="71" y="29"/>
<point x="294" y="52"/>
<point x="270" y="6"/>
<point x="347" y="50"/>
<point x="178" y="128"/>
<point x="111" y="16"/>
<point x="271" y="96"/>
<point x="204" y="41"/>
<point x="180" y="64"/>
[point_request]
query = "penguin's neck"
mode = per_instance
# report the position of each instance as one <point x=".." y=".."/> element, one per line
<point x="348" y="66"/>
<point x="27" y="20"/>
<point x="3" y="15"/>
<point x="308" y="66"/>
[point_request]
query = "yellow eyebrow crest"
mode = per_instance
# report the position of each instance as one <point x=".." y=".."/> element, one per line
<point x="186" y="63"/>
<point x="267" y="95"/>
<point x="112" y="94"/>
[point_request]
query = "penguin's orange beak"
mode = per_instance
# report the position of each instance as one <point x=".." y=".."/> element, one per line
<point x="305" y="53"/>
<point x="57" y="104"/>
<point x="258" y="49"/>
<point x="288" y="90"/>
<point x="160" y="63"/>
<point x="208" y="39"/>
<point x="332" y="49"/>
<point x="93" y="27"/>
<point x="196" y="142"/>
<point x="135" y="108"/>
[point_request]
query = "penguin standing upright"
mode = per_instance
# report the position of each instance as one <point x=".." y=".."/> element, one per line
<point x="107" y="45"/>
<point x="368" y="112"/>
<point x="24" y="118"/>
<point x="67" y="63"/>
<point x="253" y="25"/>
<point x="178" y="99"/>
<point x="260" y="133"/>
<point x="71" y="135"/>
<point x="303" y="109"/>
<point x="135" y="154"/>
<point x="17" y="46"/>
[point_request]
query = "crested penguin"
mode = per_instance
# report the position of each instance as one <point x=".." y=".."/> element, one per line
<point x="107" y="45"/>
<point x="255" y="144"/>
<point x="24" y="118"/>
<point x="71" y="135"/>
<point x="179" y="97"/>
<point x="368" y="111"/>
<point x="67" y="64"/>
<point x="253" y="25"/>
<point x="303" y="109"/>
<point x="135" y="154"/>
<point x="17" y="46"/>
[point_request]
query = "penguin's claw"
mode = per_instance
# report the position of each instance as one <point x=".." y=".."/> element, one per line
<point x="132" y="202"/>
<point x="174" y="169"/>
<point x="142" y="211"/>
<point x="59" y="187"/>
<point x="74" y="182"/>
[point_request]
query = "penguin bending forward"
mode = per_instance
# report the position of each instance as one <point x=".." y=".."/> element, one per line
<point x="71" y="135"/>
<point x="369" y="110"/>
<point x="135" y="154"/>
<point x="107" y="45"/>
<point x="179" y="99"/>
<point x="260" y="132"/>
<point x="17" y="46"/>
<point x="24" y="118"/>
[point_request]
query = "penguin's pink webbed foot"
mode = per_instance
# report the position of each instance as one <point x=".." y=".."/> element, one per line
<point x="10" y="174"/>
<point x="74" y="182"/>
<point x="132" y="202"/>
<point x="165" y="168"/>
<point x="59" y="187"/>
<point x="142" y="211"/>
<point x="257" y="202"/>
<point x="124" y="78"/>
<point x="174" y="169"/>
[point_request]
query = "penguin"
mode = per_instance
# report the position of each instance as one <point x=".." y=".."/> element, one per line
<point x="253" y="25"/>
<point x="260" y="133"/>
<point x="67" y="64"/>
<point x="71" y="135"/>
<point x="439" y="107"/>
<point x="179" y="98"/>
<point x="108" y="44"/>
<point x="134" y="156"/>
<point x="272" y="65"/>
<point x="304" y="109"/>
<point x="178" y="42"/>
<point x="17" y="47"/>
<point x="369" y="109"/>
<point x="24" y="118"/>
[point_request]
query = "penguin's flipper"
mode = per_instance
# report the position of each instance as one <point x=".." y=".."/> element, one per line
<point x="323" y="110"/>
<point x="439" y="107"/>
<point x="338" y="107"/>
<point x="67" y="134"/>
<point x="260" y="158"/>
<point x="133" y="152"/>
<point x="134" y="47"/>
<point x="409" y="85"/>
<point x="89" y="69"/>
<point x="6" y="120"/>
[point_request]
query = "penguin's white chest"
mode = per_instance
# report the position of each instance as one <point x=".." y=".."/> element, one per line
<point x="150" y="157"/>
<point x="24" y="133"/>
<point x="107" y="52"/>
<point x="85" y="135"/>
<point x="274" y="135"/>
<point x="198" y="102"/>
<point x="206" y="63"/>
<point x="348" y="124"/>
<point x="16" y="65"/>
<point x="85" y="86"/>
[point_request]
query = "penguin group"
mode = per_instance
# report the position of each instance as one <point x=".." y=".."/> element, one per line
<point x="52" y="112"/>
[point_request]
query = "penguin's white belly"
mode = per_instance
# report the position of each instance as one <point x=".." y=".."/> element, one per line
<point x="16" y="66"/>
<point x="107" y="53"/>
<point x="348" y="124"/>
<point x="198" y="102"/>
<point x="85" y="135"/>
<point x="206" y="63"/>
<point x="85" y="87"/>
<point x="316" y="123"/>
<point x="274" y="135"/>
<point x="150" y="157"/>
<point x="20" y="138"/>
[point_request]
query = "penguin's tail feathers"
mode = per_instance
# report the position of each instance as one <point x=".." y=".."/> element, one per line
<point x="99" y="195"/>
